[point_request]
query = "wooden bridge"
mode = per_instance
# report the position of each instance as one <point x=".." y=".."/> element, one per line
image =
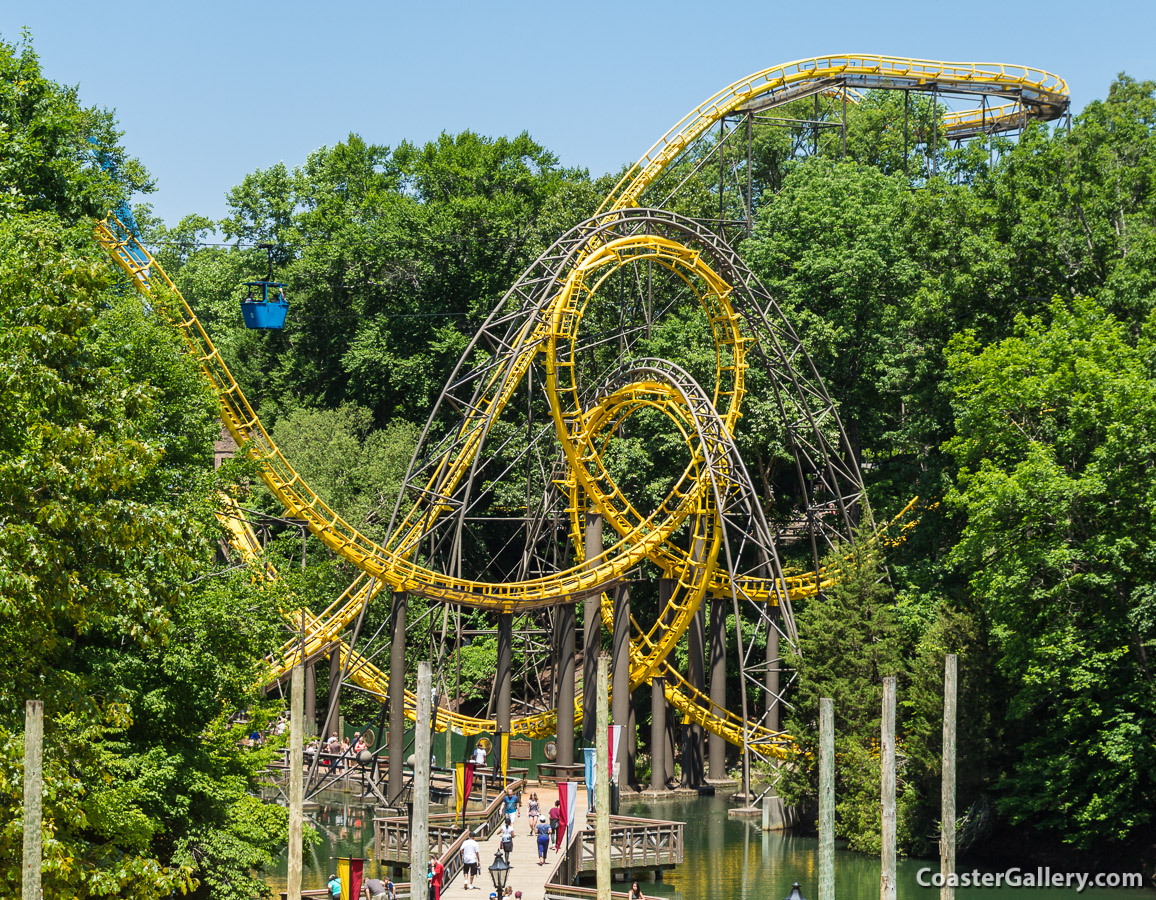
<point x="635" y="845"/>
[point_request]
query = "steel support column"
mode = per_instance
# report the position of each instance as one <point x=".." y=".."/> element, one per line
<point x="718" y="682"/>
<point x="620" y="670"/>
<point x="565" y="735"/>
<point x="334" y="681"/>
<point x="665" y="592"/>
<point x="310" y="700"/>
<point x="657" y="735"/>
<point x="397" y="698"/>
<point x="774" y="708"/>
<point x="503" y="684"/>
<point x="591" y="632"/>
<point x="692" y="768"/>
<point x="844" y="128"/>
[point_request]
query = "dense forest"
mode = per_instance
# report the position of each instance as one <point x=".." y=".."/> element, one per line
<point x="983" y="314"/>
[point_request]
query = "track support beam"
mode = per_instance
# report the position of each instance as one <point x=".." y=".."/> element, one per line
<point x="620" y="691"/>
<point x="503" y="684"/>
<point x="718" y="683"/>
<point x="566" y="625"/>
<point x="397" y="699"/>
<point x="591" y="633"/>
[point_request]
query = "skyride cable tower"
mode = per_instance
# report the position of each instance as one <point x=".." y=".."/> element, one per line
<point x="519" y="498"/>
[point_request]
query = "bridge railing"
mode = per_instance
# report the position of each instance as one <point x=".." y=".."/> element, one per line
<point x="634" y="844"/>
<point x="446" y="830"/>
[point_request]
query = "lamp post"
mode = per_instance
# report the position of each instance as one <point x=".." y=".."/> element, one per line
<point x="795" y="894"/>
<point x="364" y="760"/>
<point x="499" y="872"/>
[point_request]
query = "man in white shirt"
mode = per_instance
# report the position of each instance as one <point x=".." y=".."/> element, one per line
<point x="479" y="757"/>
<point x="470" y="851"/>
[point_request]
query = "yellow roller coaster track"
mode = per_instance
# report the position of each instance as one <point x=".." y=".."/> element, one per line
<point x="551" y="333"/>
<point x="1038" y="95"/>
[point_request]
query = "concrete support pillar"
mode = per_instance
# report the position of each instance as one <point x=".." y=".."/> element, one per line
<point x="718" y="681"/>
<point x="620" y="672"/>
<point x="566" y="625"/>
<point x="503" y="684"/>
<point x="692" y="748"/>
<point x="657" y="735"/>
<point x="591" y="633"/>
<point x="397" y="699"/>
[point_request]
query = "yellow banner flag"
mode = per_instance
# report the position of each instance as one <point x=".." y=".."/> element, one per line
<point x="505" y="751"/>
<point x="343" y="874"/>
<point x="459" y="789"/>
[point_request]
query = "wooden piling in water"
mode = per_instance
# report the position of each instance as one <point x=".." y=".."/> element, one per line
<point x="296" y="785"/>
<point x="887" y="790"/>
<point x="826" y="799"/>
<point x="34" y="797"/>
<point x="947" y="816"/>
<point x="419" y="830"/>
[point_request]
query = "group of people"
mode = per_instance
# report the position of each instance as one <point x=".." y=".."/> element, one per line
<point x="371" y="889"/>
<point x="256" y="737"/>
<point x="544" y="827"/>
<point x="338" y="753"/>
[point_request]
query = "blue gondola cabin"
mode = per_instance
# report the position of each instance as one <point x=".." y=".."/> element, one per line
<point x="266" y="306"/>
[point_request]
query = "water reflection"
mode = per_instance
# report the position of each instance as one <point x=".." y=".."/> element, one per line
<point x="725" y="859"/>
<point x="344" y="829"/>
<point x="733" y="859"/>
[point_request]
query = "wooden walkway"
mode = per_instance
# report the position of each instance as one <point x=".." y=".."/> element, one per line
<point x="525" y="873"/>
<point x="635" y="845"/>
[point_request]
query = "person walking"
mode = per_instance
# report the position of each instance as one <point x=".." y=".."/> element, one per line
<point x="532" y="812"/>
<point x="556" y="823"/>
<point x="543" y="830"/>
<point x="508" y="837"/>
<point x="470" y="853"/>
<point x="511" y="804"/>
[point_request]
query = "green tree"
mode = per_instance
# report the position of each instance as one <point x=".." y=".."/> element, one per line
<point x="1056" y="435"/>
<point x="849" y="641"/>
<point x="109" y="606"/>
<point x="50" y="144"/>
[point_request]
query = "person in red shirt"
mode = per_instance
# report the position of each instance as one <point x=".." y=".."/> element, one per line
<point x="555" y="821"/>
<point x="437" y="872"/>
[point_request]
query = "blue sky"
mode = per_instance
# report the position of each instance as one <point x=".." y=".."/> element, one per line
<point x="209" y="91"/>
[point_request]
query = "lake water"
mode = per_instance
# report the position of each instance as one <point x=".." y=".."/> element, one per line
<point x="725" y="859"/>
